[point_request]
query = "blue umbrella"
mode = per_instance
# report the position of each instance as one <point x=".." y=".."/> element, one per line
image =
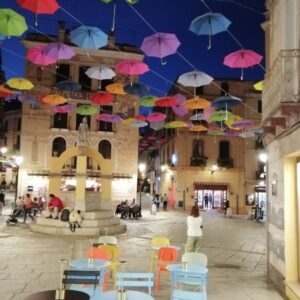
<point x="89" y="37"/>
<point x="137" y="89"/>
<point x="226" y="101"/>
<point x="209" y="24"/>
<point x="68" y="86"/>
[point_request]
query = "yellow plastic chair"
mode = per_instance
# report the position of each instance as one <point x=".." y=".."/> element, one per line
<point x="114" y="251"/>
<point x="158" y="241"/>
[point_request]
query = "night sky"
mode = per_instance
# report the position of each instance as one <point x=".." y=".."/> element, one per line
<point x="173" y="16"/>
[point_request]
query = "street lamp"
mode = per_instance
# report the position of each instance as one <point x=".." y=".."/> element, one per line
<point x="142" y="168"/>
<point x="17" y="160"/>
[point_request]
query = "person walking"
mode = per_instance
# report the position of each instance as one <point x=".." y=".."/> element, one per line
<point x="194" y="230"/>
<point x="2" y="201"/>
<point x="206" y="201"/>
<point x="165" y="202"/>
<point x="28" y="205"/>
<point x="156" y="201"/>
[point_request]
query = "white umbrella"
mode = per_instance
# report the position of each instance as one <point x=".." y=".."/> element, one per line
<point x="100" y="72"/>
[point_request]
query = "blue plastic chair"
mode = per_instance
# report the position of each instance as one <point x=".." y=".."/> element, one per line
<point x="135" y="280"/>
<point x="183" y="278"/>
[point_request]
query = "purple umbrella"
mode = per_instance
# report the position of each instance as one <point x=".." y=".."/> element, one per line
<point x="232" y="133"/>
<point x="243" y="123"/>
<point x="160" y="44"/>
<point x="109" y="118"/>
<point x="63" y="109"/>
<point x="179" y="110"/>
<point x="59" y="51"/>
<point x="181" y="98"/>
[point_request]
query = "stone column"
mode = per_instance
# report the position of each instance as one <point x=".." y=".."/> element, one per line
<point x="80" y="183"/>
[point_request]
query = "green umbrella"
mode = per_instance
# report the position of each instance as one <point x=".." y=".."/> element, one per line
<point x="148" y="101"/>
<point x="86" y="110"/>
<point x="11" y="23"/>
<point x="219" y="116"/>
<point x="175" y="124"/>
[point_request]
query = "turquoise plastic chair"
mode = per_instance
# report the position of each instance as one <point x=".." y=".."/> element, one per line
<point x="181" y="279"/>
<point x="135" y="280"/>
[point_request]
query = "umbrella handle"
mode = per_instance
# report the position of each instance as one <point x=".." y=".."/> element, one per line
<point x="163" y="62"/>
<point x="36" y="21"/>
<point x="209" y="42"/>
<point x="242" y="74"/>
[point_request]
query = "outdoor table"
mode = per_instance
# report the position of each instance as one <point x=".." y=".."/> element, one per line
<point x="130" y="295"/>
<point x="85" y="264"/>
<point x="50" y="295"/>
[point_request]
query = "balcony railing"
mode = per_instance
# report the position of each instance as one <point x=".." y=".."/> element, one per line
<point x="198" y="161"/>
<point x="225" y="162"/>
<point x="282" y="82"/>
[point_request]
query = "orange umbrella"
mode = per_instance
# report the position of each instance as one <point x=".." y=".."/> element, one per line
<point x="116" y="88"/>
<point x="198" y="128"/>
<point x="4" y="92"/>
<point x="54" y="99"/>
<point x="196" y="103"/>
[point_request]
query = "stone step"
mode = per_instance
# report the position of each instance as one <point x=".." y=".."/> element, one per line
<point x="100" y="214"/>
<point x="62" y="231"/>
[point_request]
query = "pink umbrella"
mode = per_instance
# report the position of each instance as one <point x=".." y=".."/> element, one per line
<point x="243" y="123"/>
<point x="181" y="98"/>
<point x="59" y="51"/>
<point x="166" y="102"/>
<point x="242" y="59"/>
<point x="160" y="44"/>
<point x="132" y="67"/>
<point x="207" y="112"/>
<point x="109" y="118"/>
<point x="64" y="108"/>
<point x="38" y="56"/>
<point x="156" y="117"/>
<point x="179" y="110"/>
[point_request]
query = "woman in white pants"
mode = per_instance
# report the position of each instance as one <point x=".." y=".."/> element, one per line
<point x="194" y="230"/>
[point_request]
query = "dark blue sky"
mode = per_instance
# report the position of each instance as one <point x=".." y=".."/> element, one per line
<point x="172" y="16"/>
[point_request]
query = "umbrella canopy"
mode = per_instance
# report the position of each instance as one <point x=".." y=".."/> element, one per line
<point x="137" y="89"/>
<point x="102" y="98"/>
<point x="19" y="83"/>
<point x="196" y="117"/>
<point x="247" y="134"/>
<point x="148" y="101"/>
<point x="115" y="88"/>
<point x="63" y="109"/>
<point x="198" y="128"/>
<point x="243" y="123"/>
<point x="179" y="110"/>
<point x="219" y="116"/>
<point x="156" y="117"/>
<point x="166" y="102"/>
<point x="196" y="103"/>
<point x="86" y="110"/>
<point x="232" y="133"/>
<point x="138" y="123"/>
<point x="59" y="51"/>
<point x="175" y="124"/>
<point x="207" y="112"/>
<point x="160" y="44"/>
<point x="140" y="117"/>
<point x="4" y="92"/>
<point x="131" y="67"/>
<point x="54" y="99"/>
<point x="258" y="86"/>
<point x="40" y="6"/>
<point x="242" y="59"/>
<point x="11" y="23"/>
<point x="226" y="101"/>
<point x="194" y="79"/>
<point x="215" y="133"/>
<point x="28" y="99"/>
<point x="68" y="86"/>
<point x="157" y="125"/>
<point x="181" y="98"/>
<point x="89" y="37"/>
<point x="109" y="118"/>
<point x="209" y="24"/>
<point x="38" y="56"/>
<point x="100" y="72"/>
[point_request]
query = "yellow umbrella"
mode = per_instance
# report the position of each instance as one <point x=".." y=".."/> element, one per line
<point x="128" y="121"/>
<point x="20" y="83"/>
<point x="196" y="103"/>
<point x="54" y="99"/>
<point x="259" y="85"/>
<point x="231" y="119"/>
<point x="116" y="88"/>
<point x="175" y="124"/>
<point x="198" y="128"/>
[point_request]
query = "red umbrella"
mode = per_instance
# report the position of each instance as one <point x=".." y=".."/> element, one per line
<point x="156" y="117"/>
<point x="102" y="98"/>
<point x="166" y="102"/>
<point x="140" y="118"/>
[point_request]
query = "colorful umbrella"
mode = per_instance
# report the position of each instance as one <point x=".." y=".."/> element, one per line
<point x="115" y="88"/>
<point x="209" y="24"/>
<point x="20" y="84"/>
<point x="86" y="110"/>
<point x="198" y="128"/>
<point x="247" y="134"/>
<point x="215" y="133"/>
<point x="63" y="109"/>
<point x="242" y="59"/>
<point x="28" y="99"/>
<point x="148" y="101"/>
<point x="140" y="117"/>
<point x="243" y="123"/>
<point x="207" y="112"/>
<point x="138" y="123"/>
<point x="38" y="56"/>
<point x="157" y="125"/>
<point x="89" y="37"/>
<point x="219" y="116"/>
<point x="131" y="67"/>
<point x="100" y="72"/>
<point x="166" y="102"/>
<point x="11" y="23"/>
<point x="128" y="121"/>
<point x="109" y="118"/>
<point x="179" y="110"/>
<point x="54" y="99"/>
<point x="194" y="79"/>
<point x="101" y="98"/>
<point x="225" y="102"/>
<point x="137" y="89"/>
<point x="68" y="86"/>
<point x="4" y="92"/>
<point x="160" y="45"/>
<point x="196" y="103"/>
<point x="175" y="124"/>
<point x="196" y="117"/>
<point x="156" y="117"/>
<point x="59" y="51"/>
<point x="232" y="133"/>
<point x="258" y="86"/>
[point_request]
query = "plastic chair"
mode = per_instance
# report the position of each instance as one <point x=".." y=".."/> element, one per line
<point x="165" y="255"/>
<point x="195" y="258"/>
<point x="107" y="240"/>
<point x="114" y="253"/>
<point x="182" y="278"/>
<point x="89" y="282"/>
<point x="135" y="280"/>
<point x="158" y="241"/>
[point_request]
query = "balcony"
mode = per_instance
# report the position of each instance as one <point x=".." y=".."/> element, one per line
<point x="198" y="161"/>
<point x="225" y="162"/>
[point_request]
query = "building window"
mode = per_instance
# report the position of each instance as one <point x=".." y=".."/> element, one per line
<point x="105" y="149"/>
<point x="58" y="146"/>
<point x="199" y="90"/>
<point x="85" y="81"/>
<point x="17" y="144"/>
<point x="224" y="88"/>
<point x="198" y="158"/>
<point x="60" y="120"/>
<point x="105" y="126"/>
<point x="19" y="122"/>
<point x="259" y="106"/>
<point x="224" y="155"/>
<point x="62" y="73"/>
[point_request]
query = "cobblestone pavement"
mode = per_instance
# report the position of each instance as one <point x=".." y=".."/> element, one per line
<point x="236" y="250"/>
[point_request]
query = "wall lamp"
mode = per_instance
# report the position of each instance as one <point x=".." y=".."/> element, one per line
<point x="214" y="168"/>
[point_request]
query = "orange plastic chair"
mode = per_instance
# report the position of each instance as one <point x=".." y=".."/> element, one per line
<point x="158" y="241"/>
<point x="165" y="255"/>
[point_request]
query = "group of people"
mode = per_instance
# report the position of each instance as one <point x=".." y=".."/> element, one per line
<point x="157" y="199"/>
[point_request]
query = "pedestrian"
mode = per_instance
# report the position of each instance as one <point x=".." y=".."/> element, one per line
<point x="3" y="184"/>
<point x="2" y="200"/>
<point x="28" y="205"/>
<point x="194" y="230"/>
<point x="210" y="201"/>
<point x="206" y="201"/>
<point x="165" y="202"/>
<point x="156" y="201"/>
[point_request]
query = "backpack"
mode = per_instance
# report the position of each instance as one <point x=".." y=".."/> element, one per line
<point x="64" y="216"/>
